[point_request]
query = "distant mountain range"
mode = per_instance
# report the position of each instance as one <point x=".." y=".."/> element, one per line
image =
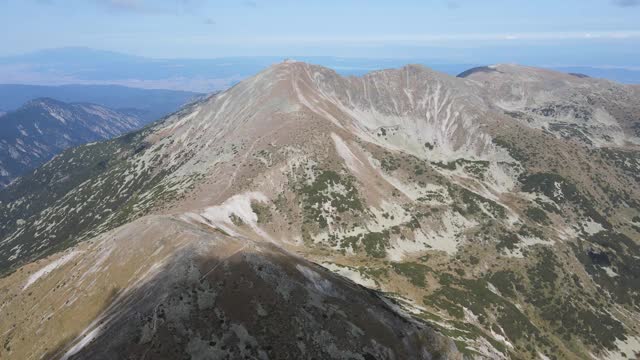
<point x="42" y="128"/>
<point x="150" y="104"/>
<point x="89" y="66"/>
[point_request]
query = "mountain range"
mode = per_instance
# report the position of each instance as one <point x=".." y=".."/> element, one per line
<point x="402" y="214"/>
<point x="151" y="104"/>
<point x="42" y="128"/>
<point x="83" y="66"/>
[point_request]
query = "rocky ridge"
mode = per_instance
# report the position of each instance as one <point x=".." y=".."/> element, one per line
<point x="501" y="210"/>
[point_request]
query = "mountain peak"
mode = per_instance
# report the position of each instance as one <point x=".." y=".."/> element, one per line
<point x="297" y="67"/>
<point x="463" y="197"/>
<point x="516" y="72"/>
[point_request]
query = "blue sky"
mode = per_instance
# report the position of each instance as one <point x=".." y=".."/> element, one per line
<point x="559" y="32"/>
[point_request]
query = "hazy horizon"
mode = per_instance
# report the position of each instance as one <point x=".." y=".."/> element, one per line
<point x="554" y="33"/>
<point x="87" y="66"/>
<point x="187" y="44"/>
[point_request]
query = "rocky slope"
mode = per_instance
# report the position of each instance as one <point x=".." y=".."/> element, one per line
<point x="162" y="286"/>
<point x="42" y="128"/>
<point x="485" y="229"/>
<point x="593" y="111"/>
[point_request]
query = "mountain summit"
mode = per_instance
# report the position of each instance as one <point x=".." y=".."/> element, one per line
<point x="402" y="214"/>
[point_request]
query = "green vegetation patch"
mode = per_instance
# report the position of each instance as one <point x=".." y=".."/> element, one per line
<point x="262" y="211"/>
<point x="566" y="307"/>
<point x="617" y="251"/>
<point x="538" y="215"/>
<point x="490" y="308"/>
<point x="375" y="244"/>
<point x="416" y="273"/>
<point x="561" y="191"/>
<point x="236" y="220"/>
<point x="474" y="204"/>
<point x="507" y="241"/>
<point x="552" y="185"/>
<point x="509" y="283"/>
<point x="376" y="273"/>
<point x="329" y="187"/>
<point x="516" y="152"/>
<point x="529" y="231"/>
<point x="390" y="164"/>
<point x="626" y="160"/>
<point x="477" y="168"/>
<point x="544" y="273"/>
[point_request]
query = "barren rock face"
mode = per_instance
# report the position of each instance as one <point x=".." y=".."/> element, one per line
<point x="597" y="113"/>
<point x="403" y="214"/>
